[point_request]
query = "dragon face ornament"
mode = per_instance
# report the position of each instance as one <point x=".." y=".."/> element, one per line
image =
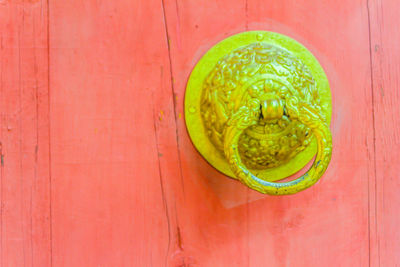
<point x="258" y="107"/>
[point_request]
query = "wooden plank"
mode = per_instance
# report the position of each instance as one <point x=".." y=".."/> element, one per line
<point x="116" y="119"/>
<point x="385" y="54"/>
<point x="212" y="218"/>
<point x="325" y="224"/>
<point x="112" y="128"/>
<point x="25" y="175"/>
<point x="329" y="222"/>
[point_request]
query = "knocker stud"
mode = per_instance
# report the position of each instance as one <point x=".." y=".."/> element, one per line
<point x="258" y="108"/>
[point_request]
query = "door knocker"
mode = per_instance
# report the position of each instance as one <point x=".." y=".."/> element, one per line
<point x="258" y="108"/>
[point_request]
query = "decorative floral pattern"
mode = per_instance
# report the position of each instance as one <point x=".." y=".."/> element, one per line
<point x="256" y="72"/>
<point x="260" y="107"/>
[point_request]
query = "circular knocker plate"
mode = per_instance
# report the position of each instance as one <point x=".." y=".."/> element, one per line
<point x="244" y="103"/>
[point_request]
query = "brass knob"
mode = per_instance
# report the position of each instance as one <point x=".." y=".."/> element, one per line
<point x="257" y="107"/>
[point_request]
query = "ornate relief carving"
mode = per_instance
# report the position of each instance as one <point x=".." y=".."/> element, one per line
<point x="238" y="85"/>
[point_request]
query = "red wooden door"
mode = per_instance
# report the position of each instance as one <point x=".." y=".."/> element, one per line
<point x="97" y="168"/>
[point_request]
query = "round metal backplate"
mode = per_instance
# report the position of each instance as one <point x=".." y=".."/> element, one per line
<point x="193" y="94"/>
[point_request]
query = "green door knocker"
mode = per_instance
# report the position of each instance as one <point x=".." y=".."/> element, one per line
<point x="258" y="108"/>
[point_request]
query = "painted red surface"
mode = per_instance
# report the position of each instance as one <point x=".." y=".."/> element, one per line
<point x="97" y="168"/>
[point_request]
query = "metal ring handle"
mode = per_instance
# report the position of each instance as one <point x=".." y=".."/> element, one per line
<point x="248" y="115"/>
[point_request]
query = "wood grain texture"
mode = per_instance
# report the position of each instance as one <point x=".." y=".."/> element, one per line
<point x="385" y="62"/>
<point x="97" y="168"/>
<point x="25" y="175"/>
<point x="109" y="71"/>
<point x="328" y="221"/>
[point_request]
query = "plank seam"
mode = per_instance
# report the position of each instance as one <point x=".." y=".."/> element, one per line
<point x="374" y="146"/>
<point x="49" y="133"/>
<point x="173" y="96"/>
